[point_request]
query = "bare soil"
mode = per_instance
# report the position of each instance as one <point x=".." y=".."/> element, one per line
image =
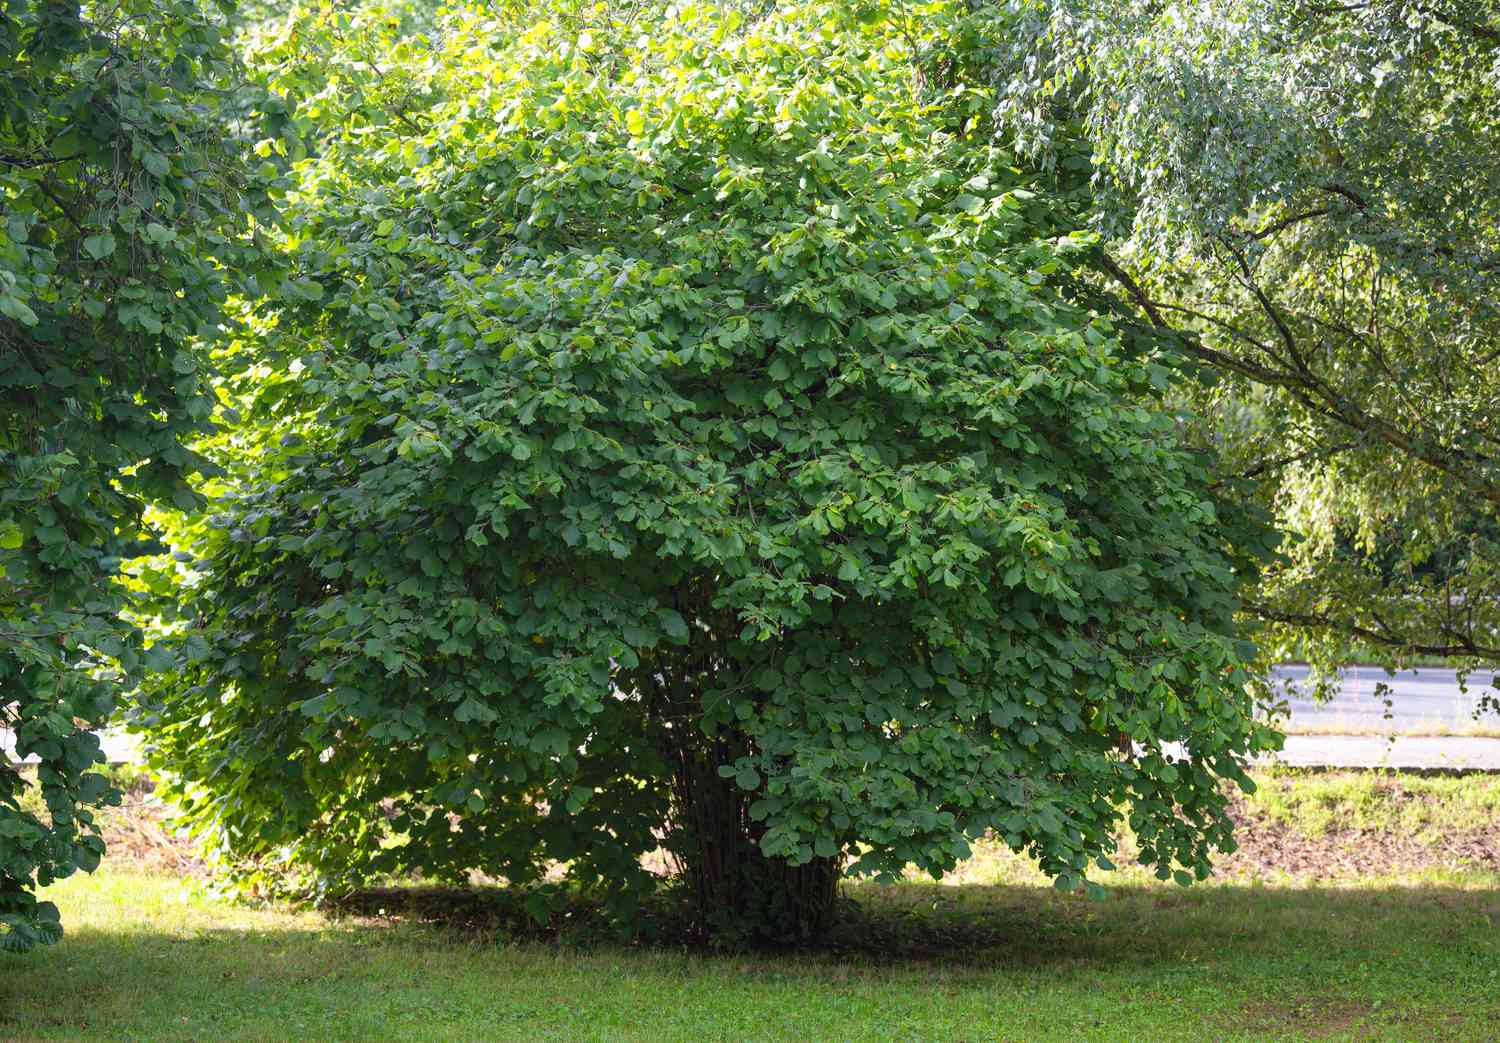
<point x="1269" y="848"/>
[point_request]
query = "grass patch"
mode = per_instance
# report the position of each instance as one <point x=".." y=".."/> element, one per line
<point x="149" y="957"/>
<point x="1316" y="804"/>
<point x="1297" y="940"/>
<point x="1421" y="729"/>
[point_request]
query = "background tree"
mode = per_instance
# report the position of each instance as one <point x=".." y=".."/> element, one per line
<point x="120" y="197"/>
<point x="680" y="435"/>
<point x="1309" y="193"/>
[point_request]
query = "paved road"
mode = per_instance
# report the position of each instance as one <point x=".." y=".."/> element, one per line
<point x="1425" y="699"/>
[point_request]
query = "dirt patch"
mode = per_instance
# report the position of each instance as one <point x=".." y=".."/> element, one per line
<point x="1269" y="848"/>
<point x="138" y="835"/>
<point x="1303" y="1017"/>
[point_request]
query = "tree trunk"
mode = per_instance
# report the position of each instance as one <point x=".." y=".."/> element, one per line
<point x="739" y="894"/>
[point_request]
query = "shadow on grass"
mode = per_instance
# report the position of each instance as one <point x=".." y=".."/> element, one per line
<point x="1216" y="961"/>
<point x="990" y="925"/>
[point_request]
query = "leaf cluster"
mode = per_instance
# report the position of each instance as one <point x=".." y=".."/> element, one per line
<point x="1307" y="193"/>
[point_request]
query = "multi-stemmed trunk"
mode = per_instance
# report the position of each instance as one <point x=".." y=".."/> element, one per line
<point x="738" y="892"/>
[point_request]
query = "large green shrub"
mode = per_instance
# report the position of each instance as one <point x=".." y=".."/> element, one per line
<point x="684" y="439"/>
<point x="120" y="195"/>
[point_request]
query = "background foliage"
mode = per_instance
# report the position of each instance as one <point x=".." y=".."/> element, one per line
<point x="122" y="214"/>
<point x="1309" y="193"/>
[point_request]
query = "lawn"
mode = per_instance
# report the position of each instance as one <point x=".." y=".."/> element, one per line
<point x="1343" y="943"/>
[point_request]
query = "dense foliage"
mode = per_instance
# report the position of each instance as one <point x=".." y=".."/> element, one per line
<point x="684" y="434"/>
<point x="1311" y="192"/>
<point x="118" y="201"/>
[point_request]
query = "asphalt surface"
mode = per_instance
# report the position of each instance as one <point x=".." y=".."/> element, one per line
<point x="1406" y="752"/>
<point x="1424" y="700"/>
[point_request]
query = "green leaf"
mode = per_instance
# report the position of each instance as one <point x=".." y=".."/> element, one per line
<point x="17" y="309"/>
<point x="99" y="246"/>
<point x="673" y="625"/>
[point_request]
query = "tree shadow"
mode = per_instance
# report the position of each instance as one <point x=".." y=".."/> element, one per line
<point x="1258" y="960"/>
<point x="981" y="925"/>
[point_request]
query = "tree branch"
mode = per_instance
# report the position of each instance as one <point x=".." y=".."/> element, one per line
<point x="1287" y="222"/>
<point x="1348" y="193"/>
<point x="1313" y="393"/>
<point x="1388" y="639"/>
<point x="1278" y="463"/>
<point x="1133" y="288"/>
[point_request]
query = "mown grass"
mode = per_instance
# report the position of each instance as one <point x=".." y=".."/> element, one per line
<point x="148" y="957"/>
<point x="993" y="954"/>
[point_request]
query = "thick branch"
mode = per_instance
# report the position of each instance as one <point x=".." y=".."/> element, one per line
<point x="1316" y="395"/>
<point x="1465" y="646"/>
<point x="1287" y="222"/>
<point x="1348" y="193"/>
<point x="1121" y="276"/>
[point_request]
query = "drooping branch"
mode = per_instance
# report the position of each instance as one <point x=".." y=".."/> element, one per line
<point x="1464" y="645"/>
<point x="1316" y="395"/>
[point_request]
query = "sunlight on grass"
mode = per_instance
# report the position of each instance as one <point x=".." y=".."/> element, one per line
<point x="1408" y="805"/>
<point x="1311" y="932"/>
<point x="151" y="957"/>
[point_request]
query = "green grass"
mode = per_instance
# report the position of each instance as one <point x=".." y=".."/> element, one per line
<point x="1314" y="803"/>
<point x="148" y="957"/>
<point x="991" y="954"/>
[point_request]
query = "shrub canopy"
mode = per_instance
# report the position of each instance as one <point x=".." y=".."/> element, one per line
<point x="685" y="407"/>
